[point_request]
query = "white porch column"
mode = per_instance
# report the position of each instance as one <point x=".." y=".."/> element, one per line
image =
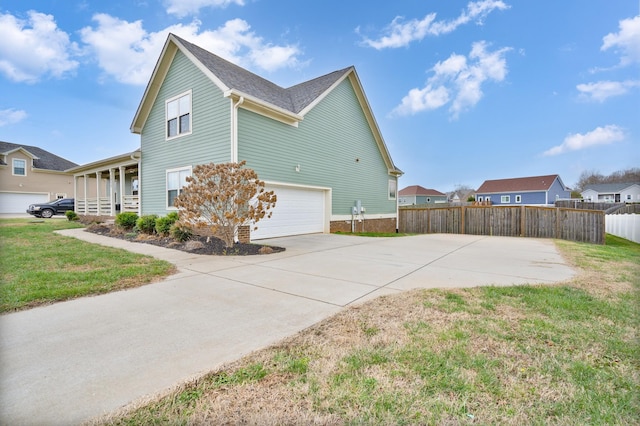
<point x="122" y="179"/>
<point x="98" y="179"/>
<point x="75" y="193"/>
<point x="112" y="184"/>
<point x="139" y="188"/>
<point x="86" y="193"/>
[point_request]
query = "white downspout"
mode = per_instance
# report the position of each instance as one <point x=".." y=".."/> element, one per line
<point x="234" y="143"/>
<point x="234" y="129"/>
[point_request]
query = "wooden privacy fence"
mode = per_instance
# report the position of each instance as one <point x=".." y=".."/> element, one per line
<point x="508" y="221"/>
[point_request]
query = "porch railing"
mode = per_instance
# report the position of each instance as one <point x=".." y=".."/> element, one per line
<point x="89" y="206"/>
<point x="130" y="203"/>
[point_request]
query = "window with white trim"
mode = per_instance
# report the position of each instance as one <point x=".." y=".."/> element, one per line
<point x="479" y="199"/>
<point x="176" y="180"/>
<point x="505" y="199"/>
<point x="518" y="198"/>
<point x="392" y="189"/>
<point x="178" y="115"/>
<point x="628" y="197"/>
<point x="19" y="167"/>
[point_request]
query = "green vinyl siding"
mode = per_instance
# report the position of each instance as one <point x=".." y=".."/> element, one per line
<point x="334" y="147"/>
<point x="210" y="140"/>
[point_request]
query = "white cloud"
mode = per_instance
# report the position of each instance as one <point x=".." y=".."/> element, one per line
<point x="11" y="116"/>
<point x="400" y="33"/>
<point x="626" y="42"/>
<point x="128" y="53"/>
<point x="458" y="80"/>
<point x="33" y="48"/>
<point x="599" y="136"/>
<point x="182" y="8"/>
<point x="602" y="90"/>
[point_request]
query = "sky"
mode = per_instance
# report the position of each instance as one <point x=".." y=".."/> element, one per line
<point x="462" y="91"/>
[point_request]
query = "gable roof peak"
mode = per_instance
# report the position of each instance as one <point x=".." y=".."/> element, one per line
<point x="419" y="190"/>
<point x="293" y="99"/>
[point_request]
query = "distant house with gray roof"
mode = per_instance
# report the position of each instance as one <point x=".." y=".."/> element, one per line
<point x="29" y="175"/>
<point x="612" y="192"/>
<point x="316" y="144"/>
<point x="417" y="195"/>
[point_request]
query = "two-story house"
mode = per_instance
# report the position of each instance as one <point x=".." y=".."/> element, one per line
<point x="316" y="144"/>
<point x="30" y="175"/>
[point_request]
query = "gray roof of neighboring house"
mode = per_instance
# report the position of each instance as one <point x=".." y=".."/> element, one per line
<point x="294" y="98"/>
<point x="45" y="160"/>
<point x="609" y="187"/>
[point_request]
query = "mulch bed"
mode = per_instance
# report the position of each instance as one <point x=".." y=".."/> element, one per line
<point x="197" y="244"/>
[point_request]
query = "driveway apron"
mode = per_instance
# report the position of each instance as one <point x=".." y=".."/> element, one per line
<point x="69" y="362"/>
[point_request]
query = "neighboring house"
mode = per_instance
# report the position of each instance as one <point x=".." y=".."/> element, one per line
<point x="416" y="194"/>
<point x="316" y="144"/>
<point x="30" y="175"/>
<point x="612" y="192"/>
<point x="534" y="190"/>
<point x="109" y="186"/>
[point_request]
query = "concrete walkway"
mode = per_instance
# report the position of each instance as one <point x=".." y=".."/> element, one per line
<point x="69" y="362"/>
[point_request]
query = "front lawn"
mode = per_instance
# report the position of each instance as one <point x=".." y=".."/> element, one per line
<point x="38" y="266"/>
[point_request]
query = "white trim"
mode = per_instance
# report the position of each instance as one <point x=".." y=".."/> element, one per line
<point x="166" y="119"/>
<point x="259" y="106"/>
<point x="518" y="198"/>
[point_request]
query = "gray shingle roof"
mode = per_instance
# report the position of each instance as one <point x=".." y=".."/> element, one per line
<point x="609" y="187"/>
<point x="45" y="160"/>
<point x="293" y="99"/>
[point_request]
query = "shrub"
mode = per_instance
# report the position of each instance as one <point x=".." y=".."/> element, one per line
<point x="147" y="223"/>
<point x="126" y="220"/>
<point x="164" y="224"/>
<point x="71" y="215"/>
<point x="180" y="232"/>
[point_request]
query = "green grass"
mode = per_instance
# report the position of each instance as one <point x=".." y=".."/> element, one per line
<point x="39" y="266"/>
<point x="564" y="354"/>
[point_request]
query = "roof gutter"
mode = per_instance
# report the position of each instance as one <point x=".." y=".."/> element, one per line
<point x="261" y="107"/>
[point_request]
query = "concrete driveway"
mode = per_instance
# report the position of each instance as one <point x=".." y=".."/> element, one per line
<point x="69" y="362"/>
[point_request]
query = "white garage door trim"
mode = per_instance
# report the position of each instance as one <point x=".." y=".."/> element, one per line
<point x="299" y="210"/>
<point x="18" y="202"/>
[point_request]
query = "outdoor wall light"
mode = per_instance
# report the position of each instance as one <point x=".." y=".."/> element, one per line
<point x="298" y="168"/>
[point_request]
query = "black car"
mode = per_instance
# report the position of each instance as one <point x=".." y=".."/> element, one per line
<point x="52" y="207"/>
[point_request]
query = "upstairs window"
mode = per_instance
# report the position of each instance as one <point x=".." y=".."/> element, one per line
<point x="179" y="115"/>
<point x="505" y="199"/>
<point x="19" y="167"/>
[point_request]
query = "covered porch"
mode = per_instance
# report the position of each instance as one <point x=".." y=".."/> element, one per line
<point x="108" y="187"/>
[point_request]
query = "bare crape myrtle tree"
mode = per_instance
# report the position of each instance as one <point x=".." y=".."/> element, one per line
<point x="222" y="197"/>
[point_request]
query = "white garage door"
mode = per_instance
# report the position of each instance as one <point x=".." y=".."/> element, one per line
<point x="18" y="203"/>
<point x="298" y="211"/>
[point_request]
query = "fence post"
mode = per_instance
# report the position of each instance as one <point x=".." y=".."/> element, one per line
<point x="523" y="221"/>
<point x="462" y="210"/>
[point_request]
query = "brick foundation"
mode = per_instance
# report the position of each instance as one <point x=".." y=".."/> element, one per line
<point x="367" y="225"/>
